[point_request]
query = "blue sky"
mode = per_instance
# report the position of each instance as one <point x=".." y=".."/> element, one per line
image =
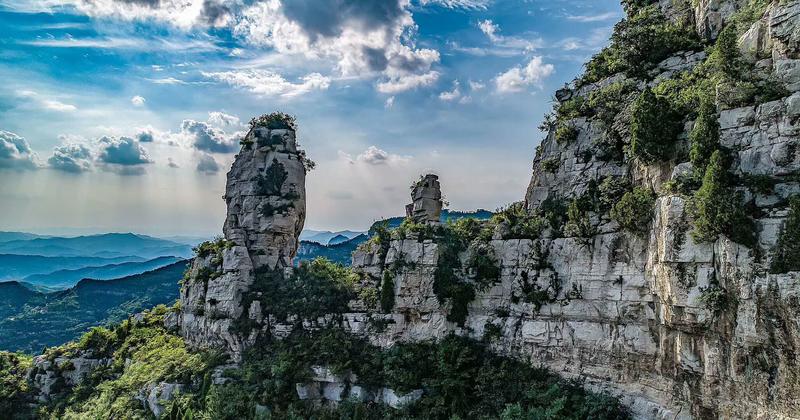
<point x="124" y="115"/>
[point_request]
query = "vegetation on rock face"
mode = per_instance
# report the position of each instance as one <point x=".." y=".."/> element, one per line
<point x="635" y="210"/>
<point x="717" y="208"/>
<point x="142" y="354"/>
<point x="787" y="251"/>
<point x="459" y="377"/>
<point x="271" y="182"/>
<point x="704" y="137"/>
<point x="715" y="298"/>
<point x="517" y="223"/>
<point x="14" y="385"/>
<point x="578" y="224"/>
<point x="654" y="128"/>
<point x="551" y="165"/>
<point x="639" y="42"/>
<point x="275" y="120"/>
<point x="314" y="289"/>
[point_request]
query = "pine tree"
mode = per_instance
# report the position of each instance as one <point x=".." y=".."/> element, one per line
<point x="711" y="201"/>
<point x="654" y="128"/>
<point x="787" y="250"/>
<point x="704" y="137"/>
<point x="717" y="208"/>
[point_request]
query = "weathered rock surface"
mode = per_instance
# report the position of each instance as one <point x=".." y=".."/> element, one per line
<point x="52" y="377"/>
<point x="265" y="197"/>
<point x="426" y="197"/>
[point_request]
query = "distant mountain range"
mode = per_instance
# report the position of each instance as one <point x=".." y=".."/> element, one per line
<point x="446" y="216"/>
<point x="60" y="262"/>
<point x="16" y="267"/>
<point x="67" y="278"/>
<point x="324" y="237"/>
<point x="30" y="320"/>
<point x="105" y="245"/>
<point x="340" y="252"/>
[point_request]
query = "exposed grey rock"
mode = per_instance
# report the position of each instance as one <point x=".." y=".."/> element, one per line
<point x="265" y="197"/>
<point x="49" y="379"/>
<point x="426" y="205"/>
<point x="156" y="395"/>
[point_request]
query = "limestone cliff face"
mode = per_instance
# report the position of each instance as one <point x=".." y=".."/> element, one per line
<point x="265" y="197"/>
<point x="627" y="312"/>
<point x="639" y="325"/>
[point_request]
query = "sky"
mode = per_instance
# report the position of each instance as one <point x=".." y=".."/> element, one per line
<point x="125" y="115"/>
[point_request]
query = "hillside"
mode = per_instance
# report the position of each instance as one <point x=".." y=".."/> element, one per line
<point x="68" y="278"/>
<point x="341" y="253"/>
<point x="105" y="245"/>
<point x="650" y="272"/>
<point x="20" y="266"/>
<point x="30" y="321"/>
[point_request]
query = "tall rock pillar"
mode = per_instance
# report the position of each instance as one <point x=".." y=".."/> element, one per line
<point x="266" y="208"/>
<point x="266" y="197"/>
<point x="426" y="196"/>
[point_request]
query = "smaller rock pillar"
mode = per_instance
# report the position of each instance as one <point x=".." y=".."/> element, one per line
<point x="426" y="197"/>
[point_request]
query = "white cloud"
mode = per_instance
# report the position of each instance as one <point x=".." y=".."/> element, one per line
<point x="183" y="14"/>
<point x="357" y="38"/>
<point x="594" y="18"/>
<point x="139" y="44"/>
<point x="55" y="105"/>
<point x="268" y="83"/>
<point x="138" y="100"/>
<point x="407" y="82"/>
<point x="518" y="79"/>
<point x="476" y="85"/>
<point x="360" y="38"/>
<point x="16" y="153"/>
<point x="490" y="29"/>
<point x="201" y="136"/>
<point x="389" y="102"/>
<point x="221" y="119"/>
<point x="207" y="165"/>
<point x="71" y="157"/>
<point x="503" y="45"/>
<point x="168" y="81"/>
<point x="46" y="103"/>
<point x="459" y="4"/>
<point x="375" y="157"/>
<point x="123" y="155"/>
<point x="451" y="95"/>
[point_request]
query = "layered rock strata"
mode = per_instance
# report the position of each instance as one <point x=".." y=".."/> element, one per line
<point x="265" y="197"/>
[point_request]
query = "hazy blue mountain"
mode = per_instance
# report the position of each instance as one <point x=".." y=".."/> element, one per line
<point x="68" y="278"/>
<point x="447" y="216"/>
<point x="338" y="239"/>
<point x="324" y="236"/>
<point x="187" y="239"/>
<point x="15" y="267"/>
<point x="31" y="320"/>
<point x="105" y="245"/>
<point x="17" y="236"/>
<point x="340" y="253"/>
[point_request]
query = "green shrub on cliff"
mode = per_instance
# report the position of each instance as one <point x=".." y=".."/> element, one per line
<point x="654" y="128"/>
<point x="387" y="291"/>
<point x="786" y="255"/>
<point x="275" y="120"/>
<point x="704" y="137"/>
<point x="314" y="289"/>
<point x="635" y="210"/>
<point x="639" y="42"/>
<point x="14" y="385"/>
<point x="717" y="208"/>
